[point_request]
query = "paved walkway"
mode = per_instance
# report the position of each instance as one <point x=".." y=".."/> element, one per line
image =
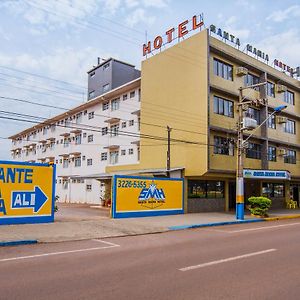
<point x="78" y="222"/>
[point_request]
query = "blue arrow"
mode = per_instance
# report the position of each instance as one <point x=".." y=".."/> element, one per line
<point x="25" y="199"/>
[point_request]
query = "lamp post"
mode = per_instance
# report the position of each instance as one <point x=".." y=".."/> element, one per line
<point x="240" y="204"/>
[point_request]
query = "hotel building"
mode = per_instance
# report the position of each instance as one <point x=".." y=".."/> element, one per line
<point x="192" y="87"/>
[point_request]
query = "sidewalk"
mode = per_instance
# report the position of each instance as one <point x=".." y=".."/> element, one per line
<point x="91" y="224"/>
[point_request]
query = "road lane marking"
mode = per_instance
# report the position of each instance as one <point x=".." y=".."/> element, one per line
<point x="261" y="228"/>
<point x="60" y="252"/>
<point x="211" y="263"/>
<point x="105" y="242"/>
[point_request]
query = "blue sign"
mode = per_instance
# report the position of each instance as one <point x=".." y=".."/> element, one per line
<point x="267" y="174"/>
<point x="35" y="199"/>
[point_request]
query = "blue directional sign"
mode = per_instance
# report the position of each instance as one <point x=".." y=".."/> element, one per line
<point x="35" y="199"/>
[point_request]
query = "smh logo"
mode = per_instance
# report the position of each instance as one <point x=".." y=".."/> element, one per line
<point x="152" y="192"/>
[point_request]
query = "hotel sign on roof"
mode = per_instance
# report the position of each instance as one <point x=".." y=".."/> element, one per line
<point x="173" y="33"/>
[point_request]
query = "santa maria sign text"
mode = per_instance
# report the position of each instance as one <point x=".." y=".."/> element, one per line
<point x="173" y="33"/>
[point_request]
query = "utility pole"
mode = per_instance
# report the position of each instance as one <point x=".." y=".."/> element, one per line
<point x="239" y="211"/>
<point x="241" y="146"/>
<point x="169" y="151"/>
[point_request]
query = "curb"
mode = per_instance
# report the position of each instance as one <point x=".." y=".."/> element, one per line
<point x="17" y="243"/>
<point x="182" y="227"/>
<point x="282" y="218"/>
<point x="215" y="224"/>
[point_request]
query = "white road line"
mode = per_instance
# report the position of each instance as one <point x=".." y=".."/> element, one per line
<point x="211" y="263"/>
<point x="261" y="228"/>
<point x="105" y="242"/>
<point x="59" y="253"/>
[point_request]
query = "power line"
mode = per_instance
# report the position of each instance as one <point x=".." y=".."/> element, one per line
<point x="85" y="24"/>
<point x="42" y="76"/>
<point x="105" y="116"/>
<point x="91" y="128"/>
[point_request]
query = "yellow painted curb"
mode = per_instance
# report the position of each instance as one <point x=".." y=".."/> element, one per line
<point x="283" y="218"/>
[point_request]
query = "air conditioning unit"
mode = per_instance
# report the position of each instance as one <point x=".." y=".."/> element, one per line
<point x="241" y="71"/>
<point x="281" y="120"/>
<point x="249" y="123"/>
<point x="281" y="151"/>
<point x="281" y="88"/>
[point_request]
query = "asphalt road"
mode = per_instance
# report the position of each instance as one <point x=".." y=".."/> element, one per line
<point x="253" y="261"/>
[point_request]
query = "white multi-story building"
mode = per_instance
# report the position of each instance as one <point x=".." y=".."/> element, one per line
<point x="84" y="140"/>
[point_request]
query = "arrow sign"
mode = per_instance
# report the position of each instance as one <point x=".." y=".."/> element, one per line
<point x="26" y="199"/>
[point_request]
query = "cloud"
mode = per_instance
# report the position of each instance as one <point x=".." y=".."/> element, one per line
<point x="231" y="24"/>
<point x="156" y="3"/>
<point x="132" y="3"/>
<point x="282" y="15"/>
<point x="139" y="15"/>
<point x="284" y="46"/>
<point x="53" y="14"/>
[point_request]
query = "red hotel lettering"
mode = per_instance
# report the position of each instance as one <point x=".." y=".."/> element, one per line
<point x="195" y="25"/>
<point x="169" y="34"/>
<point x="157" y="42"/>
<point x="182" y="31"/>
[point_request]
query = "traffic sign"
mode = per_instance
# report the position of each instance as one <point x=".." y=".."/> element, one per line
<point x="27" y="192"/>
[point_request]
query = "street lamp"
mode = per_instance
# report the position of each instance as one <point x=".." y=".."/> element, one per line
<point x="240" y="204"/>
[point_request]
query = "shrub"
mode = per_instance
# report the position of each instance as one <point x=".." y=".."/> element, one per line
<point x="259" y="206"/>
<point x="55" y="205"/>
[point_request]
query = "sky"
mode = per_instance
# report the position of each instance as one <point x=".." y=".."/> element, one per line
<point x="47" y="46"/>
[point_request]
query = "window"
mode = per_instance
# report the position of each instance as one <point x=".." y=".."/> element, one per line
<point x="66" y="143"/>
<point x="123" y="124"/>
<point x="222" y="69"/>
<point x="78" y="118"/>
<point x="131" y="122"/>
<point x="289" y="97"/>
<point x="91" y="94"/>
<point x="290" y="157"/>
<point x="106" y="66"/>
<point x="271" y="121"/>
<point x="89" y="187"/>
<point x="251" y="79"/>
<point x="271" y="89"/>
<point x="90" y="138"/>
<point x="123" y="152"/>
<point x="114" y="130"/>
<point x="223" y="146"/>
<point x="205" y="189"/>
<point x="254" y="114"/>
<point x="273" y="190"/>
<point x="223" y="107"/>
<point x="125" y="97"/>
<point x="132" y="94"/>
<point x="114" y="157"/>
<point x="103" y="156"/>
<point x="77" y="139"/>
<point x="89" y="162"/>
<point x="65" y="184"/>
<point x="290" y="126"/>
<point x="104" y="130"/>
<point x="105" y="105"/>
<point x="130" y="151"/>
<point x="106" y="87"/>
<point x="65" y="163"/>
<point x="254" y="151"/>
<point x="77" y="161"/>
<point x="115" y="104"/>
<point x="91" y="115"/>
<point x="92" y="74"/>
<point x="45" y="130"/>
<point x="271" y="153"/>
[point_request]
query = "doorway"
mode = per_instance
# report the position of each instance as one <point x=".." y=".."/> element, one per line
<point x="232" y="195"/>
<point x="295" y="193"/>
